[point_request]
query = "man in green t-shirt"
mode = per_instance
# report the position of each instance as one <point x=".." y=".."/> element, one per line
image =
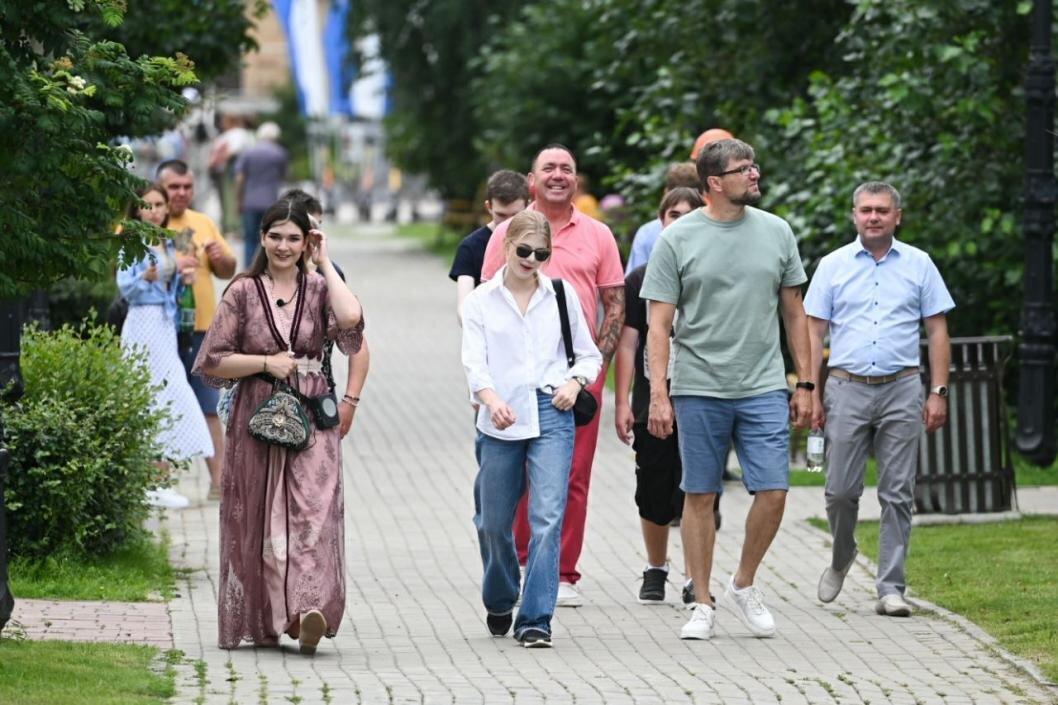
<point x="729" y="269"/>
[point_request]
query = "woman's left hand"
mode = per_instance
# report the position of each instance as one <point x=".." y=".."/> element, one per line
<point x="566" y="395"/>
<point x="318" y="246"/>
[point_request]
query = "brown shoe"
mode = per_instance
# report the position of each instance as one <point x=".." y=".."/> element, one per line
<point x="313" y="627"/>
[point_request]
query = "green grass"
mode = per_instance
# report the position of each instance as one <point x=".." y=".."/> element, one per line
<point x="441" y="242"/>
<point x="49" y="672"/>
<point x="137" y="573"/>
<point x="1000" y="576"/>
<point x="1025" y="474"/>
<point x="804" y="478"/>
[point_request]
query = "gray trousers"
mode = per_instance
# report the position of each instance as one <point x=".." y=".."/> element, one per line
<point x="889" y="418"/>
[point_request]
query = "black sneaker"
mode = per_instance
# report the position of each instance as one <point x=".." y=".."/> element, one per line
<point x="652" y="592"/>
<point x="688" y="594"/>
<point x="535" y="639"/>
<point x="499" y="624"/>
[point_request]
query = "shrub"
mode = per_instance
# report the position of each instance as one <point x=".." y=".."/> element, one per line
<point x="71" y="300"/>
<point x="82" y="442"/>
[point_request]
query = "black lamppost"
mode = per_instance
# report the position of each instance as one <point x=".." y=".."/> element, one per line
<point x="11" y="319"/>
<point x="1035" y="434"/>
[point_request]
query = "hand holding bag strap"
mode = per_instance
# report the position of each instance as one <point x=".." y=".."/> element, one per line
<point x="563" y="315"/>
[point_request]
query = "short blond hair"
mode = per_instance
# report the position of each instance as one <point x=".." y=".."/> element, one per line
<point x="527" y="223"/>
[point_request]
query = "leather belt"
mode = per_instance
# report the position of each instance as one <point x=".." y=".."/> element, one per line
<point x="865" y="379"/>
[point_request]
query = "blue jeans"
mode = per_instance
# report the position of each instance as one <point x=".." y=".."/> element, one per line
<point x="251" y="233"/>
<point x="504" y="467"/>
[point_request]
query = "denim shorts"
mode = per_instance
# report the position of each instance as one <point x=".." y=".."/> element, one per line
<point x="758" y="425"/>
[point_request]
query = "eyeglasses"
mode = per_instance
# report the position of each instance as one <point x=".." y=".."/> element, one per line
<point x="524" y="251"/>
<point x="742" y="170"/>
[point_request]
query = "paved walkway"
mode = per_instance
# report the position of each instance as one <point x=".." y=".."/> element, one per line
<point x="74" y="620"/>
<point x="414" y="629"/>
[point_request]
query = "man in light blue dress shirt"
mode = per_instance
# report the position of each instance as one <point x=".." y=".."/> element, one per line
<point x="872" y="295"/>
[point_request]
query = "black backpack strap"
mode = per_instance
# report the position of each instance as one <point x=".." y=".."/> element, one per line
<point x="563" y="315"/>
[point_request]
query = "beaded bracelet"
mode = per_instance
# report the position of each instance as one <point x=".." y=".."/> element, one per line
<point x="351" y="400"/>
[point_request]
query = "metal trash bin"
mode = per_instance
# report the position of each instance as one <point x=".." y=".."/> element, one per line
<point x="965" y="467"/>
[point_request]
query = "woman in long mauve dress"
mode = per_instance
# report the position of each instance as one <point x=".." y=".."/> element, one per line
<point x="281" y="513"/>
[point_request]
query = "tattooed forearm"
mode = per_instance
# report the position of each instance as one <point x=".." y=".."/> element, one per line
<point x="613" y="303"/>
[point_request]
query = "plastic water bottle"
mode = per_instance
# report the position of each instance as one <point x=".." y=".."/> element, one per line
<point x="814" y="450"/>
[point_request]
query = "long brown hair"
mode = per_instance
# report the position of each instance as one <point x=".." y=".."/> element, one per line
<point x="134" y="207"/>
<point x="281" y="211"/>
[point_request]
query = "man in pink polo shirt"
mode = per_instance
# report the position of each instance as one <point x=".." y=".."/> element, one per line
<point x="584" y="254"/>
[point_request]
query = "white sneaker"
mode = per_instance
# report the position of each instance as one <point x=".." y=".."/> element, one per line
<point x="703" y="620"/>
<point x="748" y="604"/>
<point x="167" y="498"/>
<point x="893" y="605"/>
<point x="568" y="596"/>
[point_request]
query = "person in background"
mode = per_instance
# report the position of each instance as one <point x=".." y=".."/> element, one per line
<point x="211" y="256"/>
<point x="360" y="361"/>
<point x="506" y="194"/>
<point x="516" y="366"/>
<point x="259" y="174"/>
<point x="584" y="201"/>
<point x="681" y="174"/>
<point x="151" y="287"/>
<point x="658" y="470"/>
<point x="586" y="257"/>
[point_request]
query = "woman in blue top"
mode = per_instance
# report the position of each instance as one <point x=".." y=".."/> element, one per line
<point x="151" y="287"/>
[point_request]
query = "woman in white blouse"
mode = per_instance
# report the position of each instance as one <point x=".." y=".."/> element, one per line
<point x="518" y="373"/>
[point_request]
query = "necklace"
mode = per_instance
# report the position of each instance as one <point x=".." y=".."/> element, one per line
<point x="280" y="302"/>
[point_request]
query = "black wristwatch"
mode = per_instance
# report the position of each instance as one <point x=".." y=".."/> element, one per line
<point x="810" y="386"/>
<point x="582" y="381"/>
<point x="940" y="391"/>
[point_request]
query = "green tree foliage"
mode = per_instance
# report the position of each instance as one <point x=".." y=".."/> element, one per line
<point x="213" y="33"/>
<point x="628" y="84"/>
<point x="82" y="439"/>
<point x="929" y="98"/>
<point x="427" y="47"/>
<point x="63" y="98"/>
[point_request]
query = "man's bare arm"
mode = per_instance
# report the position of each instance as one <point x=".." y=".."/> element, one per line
<point x="796" y="323"/>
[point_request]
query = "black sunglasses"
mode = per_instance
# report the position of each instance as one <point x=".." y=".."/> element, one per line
<point x="523" y="251"/>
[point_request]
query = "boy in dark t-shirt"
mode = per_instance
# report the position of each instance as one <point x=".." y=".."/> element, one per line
<point x="506" y="195"/>
<point x="658" y="467"/>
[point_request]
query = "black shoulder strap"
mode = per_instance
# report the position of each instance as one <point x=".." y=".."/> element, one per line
<point x="268" y="312"/>
<point x="563" y="314"/>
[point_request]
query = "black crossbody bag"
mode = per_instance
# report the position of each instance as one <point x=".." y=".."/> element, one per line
<point x="585" y="406"/>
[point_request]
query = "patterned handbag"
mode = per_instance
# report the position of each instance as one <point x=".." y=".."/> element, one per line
<point x="281" y="419"/>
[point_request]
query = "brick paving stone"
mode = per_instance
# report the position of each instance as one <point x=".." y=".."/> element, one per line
<point x="75" y="620"/>
<point x="414" y="626"/>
